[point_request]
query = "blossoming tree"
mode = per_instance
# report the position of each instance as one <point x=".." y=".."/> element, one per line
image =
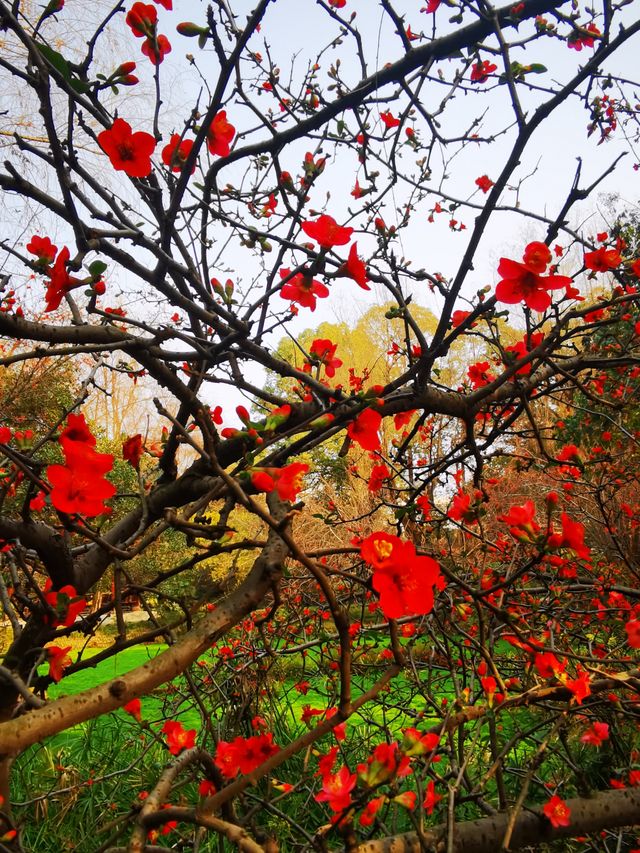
<point x="400" y="601"/>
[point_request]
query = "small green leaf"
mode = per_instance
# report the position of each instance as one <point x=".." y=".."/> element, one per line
<point x="96" y="268"/>
<point x="55" y="59"/>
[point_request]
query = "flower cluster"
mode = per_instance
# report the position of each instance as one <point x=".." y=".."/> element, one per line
<point x="243" y="755"/>
<point x="404" y="580"/>
<point x="524" y="282"/>
<point x="79" y="485"/>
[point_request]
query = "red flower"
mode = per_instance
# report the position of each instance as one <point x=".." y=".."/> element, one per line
<point x="548" y="665"/>
<point x="338" y="4"/>
<point x="59" y="660"/>
<point x="596" y="735"/>
<point x="253" y="751"/>
<point x="370" y="810"/>
<point x="226" y="759"/>
<point x="557" y="812"/>
<point x="377" y="549"/>
<point x="286" y="481"/>
<point x="485" y="183"/>
<point x="168" y="4"/>
<point x="633" y="633"/>
<point x="431" y="799"/>
<point x="406" y="588"/>
<point x="479" y="374"/>
<point x="60" y="282"/>
<point x="134" y="707"/>
<point x="220" y="135"/>
<point x="303" y="289"/>
<point x="389" y="120"/>
<point x="379" y="473"/>
<point x="458" y="318"/>
<point x="132" y="450"/>
<point x="522" y="521"/>
<point x="581" y="38"/>
<point x="325" y="350"/>
<point x="129" y="152"/>
<point x="206" y="788"/>
<point x="77" y="430"/>
<point x="156" y="48"/>
<point x="572" y="537"/>
<point x="78" y="485"/>
<point x="462" y="509"/>
<point x="142" y="18"/>
<point x="364" y="429"/>
<point x="326" y="232"/>
<point x="580" y="686"/>
<point x="177" y="738"/>
<point x="336" y="789"/>
<point x="43" y="248"/>
<point x="355" y="268"/>
<point x="66" y="603"/>
<point x="522" y="348"/>
<point x="522" y="282"/>
<point x="602" y="260"/>
<point x="431" y="6"/>
<point x="481" y="71"/>
<point x="404" y="580"/>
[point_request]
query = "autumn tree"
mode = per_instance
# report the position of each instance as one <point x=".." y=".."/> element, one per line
<point x="439" y="654"/>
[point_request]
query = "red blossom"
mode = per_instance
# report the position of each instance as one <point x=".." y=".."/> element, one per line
<point x="220" y="135"/>
<point x="142" y="18"/>
<point x="479" y="374"/>
<point x="557" y="812"/>
<point x="177" y="737"/>
<point x="389" y="120"/>
<point x="77" y="429"/>
<point x="403" y="579"/>
<point x="286" y="481"/>
<point x="324" y="350"/>
<point x="583" y="37"/>
<point x="79" y="485"/>
<point x="134" y="708"/>
<point x="596" y="735"/>
<point x="481" y="70"/>
<point x="364" y="429"/>
<point x="522" y="282"/>
<point x="379" y="473"/>
<point x="59" y="660"/>
<point x="602" y="259"/>
<point x="336" y="789"/>
<point x="522" y="521"/>
<point x="132" y="449"/>
<point x="175" y="153"/>
<point x="580" y="686"/>
<point x="129" y="152"/>
<point x="370" y="810"/>
<point x="431" y="799"/>
<point x="484" y="183"/>
<point x="65" y="602"/>
<point x="302" y="289"/>
<point x="156" y="48"/>
<point x="43" y="248"/>
<point x="60" y="282"/>
<point x="326" y="232"/>
<point x="355" y="268"/>
<point x="633" y="633"/>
